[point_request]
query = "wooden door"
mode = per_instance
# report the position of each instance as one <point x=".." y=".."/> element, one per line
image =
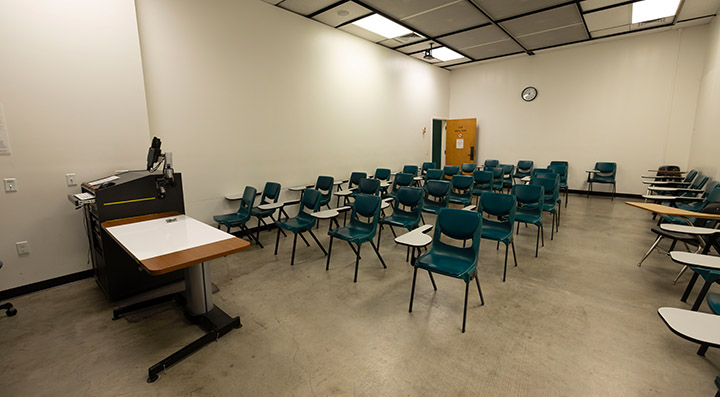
<point x="460" y="141"/>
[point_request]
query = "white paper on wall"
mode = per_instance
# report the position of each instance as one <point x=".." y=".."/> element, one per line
<point x="4" y="141"/>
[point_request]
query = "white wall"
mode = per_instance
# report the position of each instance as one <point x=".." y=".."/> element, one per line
<point x="630" y="100"/>
<point x="243" y="93"/>
<point x="706" y="139"/>
<point x="71" y="85"/>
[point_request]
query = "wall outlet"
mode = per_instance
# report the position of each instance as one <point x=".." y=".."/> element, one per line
<point x="70" y="179"/>
<point x="23" y="247"/>
<point x="10" y="185"/>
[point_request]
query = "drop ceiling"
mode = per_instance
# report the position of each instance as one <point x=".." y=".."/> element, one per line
<point x="481" y="30"/>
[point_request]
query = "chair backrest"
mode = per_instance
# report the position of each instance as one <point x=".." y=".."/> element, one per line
<point x="549" y="184"/>
<point x="369" y="186"/>
<point x="401" y="179"/>
<point x="248" y="200"/>
<point x="606" y="169"/>
<point x="355" y="178"/>
<point x="710" y="187"/>
<point x="271" y="193"/>
<point x="699" y="182"/>
<point x="537" y="171"/>
<point x="409" y="202"/>
<point x="324" y="184"/>
<point x="710" y="208"/>
<point x="662" y="170"/>
<point x="552" y="174"/>
<point x="690" y="176"/>
<point x="491" y="163"/>
<point x="367" y="206"/>
<point x="383" y="174"/>
<point x="561" y="170"/>
<point x="428" y="165"/>
<point x="310" y="203"/>
<point x="524" y="167"/>
<point x="463" y="183"/>
<point x="467" y="168"/>
<point x="460" y="225"/>
<point x="507" y="169"/>
<point x="483" y="178"/>
<point x="498" y="204"/>
<point x="529" y="194"/>
<point x="497" y="174"/>
<point x="435" y="174"/>
<point x="437" y="190"/>
<point x="410" y="169"/>
<point x="565" y="163"/>
<point x="451" y="170"/>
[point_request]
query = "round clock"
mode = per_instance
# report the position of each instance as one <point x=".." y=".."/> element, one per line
<point x="529" y="93"/>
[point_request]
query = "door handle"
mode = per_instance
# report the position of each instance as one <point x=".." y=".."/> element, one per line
<point x="472" y="152"/>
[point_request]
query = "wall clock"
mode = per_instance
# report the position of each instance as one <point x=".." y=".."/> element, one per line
<point x="529" y="93"/>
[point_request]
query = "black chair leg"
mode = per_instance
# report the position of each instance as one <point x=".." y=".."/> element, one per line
<point x="552" y="229"/>
<point x="432" y="280"/>
<point x="292" y="259"/>
<point x="537" y="241"/>
<point x="566" y="196"/>
<point x="257" y="236"/>
<point x="689" y="287"/>
<point x="412" y="290"/>
<point x="357" y="262"/>
<point x="701" y="296"/>
<point x="274" y="221"/>
<point x="317" y="241"/>
<point x="327" y="264"/>
<point x="303" y="239"/>
<point x="407" y="255"/>
<point x="393" y="231"/>
<point x="477" y="282"/>
<point x="465" y="308"/>
<point x="379" y="232"/>
<point x="505" y="267"/>
<point x="542" y="234"/>
<point x="497" y="247"/>
<point x="277" y="239"/>
<point x="512" y="243"/>
<point x="378" y="254"/>
<point x="701" y="352"/>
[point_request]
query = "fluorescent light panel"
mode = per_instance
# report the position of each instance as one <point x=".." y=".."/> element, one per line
<point x="648" y="10"/>
<point x="378" y="24"/>
<point x="445" y="54"/>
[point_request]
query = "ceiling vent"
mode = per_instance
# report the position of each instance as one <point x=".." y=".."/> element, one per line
<point x="408" y="38"/>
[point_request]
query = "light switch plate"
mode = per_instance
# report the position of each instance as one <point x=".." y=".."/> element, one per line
<point x="10" y="185"/>
<point x="70" y="179"/>
<point x="23" y="247"/>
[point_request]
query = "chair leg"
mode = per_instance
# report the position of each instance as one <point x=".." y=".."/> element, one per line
<point x="292" y="259"/>
<point x="512" y="243"/>
<point x="257" y="236"/>
<point x="379" y="232"/>
<point x="412" y="290"/>
<point x="505" y="267"/>
<point x="274" y="221"/>
<point x="352" y="247"/>
<point x="303" y="239"/>
<point x="701" y="296"/>
<point x="477" y="282"/>
<point x="327" y="264"/>
<point x="465" y="307"/>
<point x="567" y="190"/>
<point x="589" y="189"/>
<point x="357" y="262"/>
<point x="317" y="241"/>
<point x="701" y="352"/>
<point x="537" y="241"/>
<point x="378" y="254"/>
<point x="613" y="192"/>
<point x="652" y="247"/>
<point x="542" y="233"/>
<point x="689" y="287"/>
<point x="432" y="280"/>
<point x="497" y="247"/>
<point x="518" y="228"/>
<point x="277" y="239"/>
<point x="393" y="231"/>
<point x="680" y="274"/>
<point x="407" y="255"/>
<point x="552" y="229"/>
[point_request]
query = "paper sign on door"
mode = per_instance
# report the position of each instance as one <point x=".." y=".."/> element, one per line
<point x="460" y="143"/>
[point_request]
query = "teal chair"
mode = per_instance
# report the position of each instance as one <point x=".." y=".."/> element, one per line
<point x="461" y="192"/>
<point x="382" y="174"/>
<point x="552" y="175"/>
<point x="450" y="260"/>
<point x="401" y="180"/>
<point x="368" y="186"/>
<point x="450" y="171"/>
<point x="524" y="168"/>
<point x="482" y="182"/>
<point x="355" y="177"/>
<point x="324" y="185"/>
<point x="561" y="168"/>
<point x="270" y="194"/>
<point x="428" y="165"/>
<point x="467" y="168"/>
<point x="434" y="174"/>
<point x="497" y="178"/>
<point x="302" y="222"/>
<point x="358" y="231"/>
<point x="711" y="198"/>
<point x="407" y="211"/>
<point x="436" y="196"/>
<point x="491" y="164"/>
<point x="536" y="171"/>
<point x="240" y="217"/>
<point x="607" y="174"/>
<point x="529" y="209"/>
<point x="507" y="175"/>
<point x="502" y="207"/>
<point x="410" y="169"/>
<point x="551" y="186"/>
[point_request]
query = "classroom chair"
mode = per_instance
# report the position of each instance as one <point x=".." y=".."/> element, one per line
<point x="407" y="211"/>
<point x="355" y="177"/>
<point x="482" y="182"/>
<point x="382" y="174"/>
<point x="491" y="164"/>
<point x="436" y="196"/>
<point x="428" y="165"/>
<point x="523" y="169"/>
<point x="410" y="169"/>
<point x="434" y="174"/>
<point x="502" y="207"/>
<point x="529" y="209"/>
<point x="561" y="168"/>
<point x="359" y="231"/>
<point x="270" y="194"/>
<point x="324" y="185"/>
<point x="450" y="171"/>
<point x="497" y="178"/>
<point x="507" y="175"/>
<point x="461" y="192"/>
<point x="550" y="185"/>
<point x="467" y="168"/>
<point x="401" y="180"/>
<point x="451" y="260"/>
<point x="240" y="217"/>
<point x="606" y="175"/>
<point x="302" y="222"/>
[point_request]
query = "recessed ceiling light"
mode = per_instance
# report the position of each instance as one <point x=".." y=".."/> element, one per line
<point x="445" y="54"/>
<point x="649" y="10"/>
<point x="382" y="26"/>
<point x="343" y="13"/>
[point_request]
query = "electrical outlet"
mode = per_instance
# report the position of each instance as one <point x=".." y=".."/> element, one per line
<point x="23" y="247"/>
<point x="70" y="179"/>
<point x="10" y="185"/>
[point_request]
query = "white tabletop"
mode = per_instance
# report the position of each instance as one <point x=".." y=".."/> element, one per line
<point x="697" y="260"/>
<point x="418" y="178"/>
<point x="384" y="184"/>
<point x="299" y="188"/>
<point x="675" y="183"/>
<point x="526" y="179"/>
<point x="663" y="189"/>
<point x="697" y="326"/>
<point x="663" y="177"/>
<point x="592" y="171"/>
<point x="327" y="214"/>
<point x="157" y="237"/>
<point x="700" y="231"/>
<point x="416" y="237"/>
<point x="470" y="207"/>
<point x="384" y="205"/>
<point x="271" y="206"/>
<point x="670" y="198"/>
<point x="345" y="192"/>
<point x="233" y="197"/>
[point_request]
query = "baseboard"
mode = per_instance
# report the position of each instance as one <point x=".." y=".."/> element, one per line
<point x="41" y="285"/>
<point x="607" y="194"/>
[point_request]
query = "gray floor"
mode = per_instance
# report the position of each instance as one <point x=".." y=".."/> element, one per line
<point x="579" y="320"/>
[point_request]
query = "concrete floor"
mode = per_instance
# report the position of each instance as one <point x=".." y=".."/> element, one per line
<point x="579" y="320"/>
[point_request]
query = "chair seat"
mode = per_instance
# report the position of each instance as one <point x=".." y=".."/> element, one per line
<point x="602" y="179"/>
<point x="710" y="276"/>
<point x="496" y="232"/>
<point x="674" y="235"/>
<point x="257" y="212"/>
<point x="295" y="224"/>
<point x="448" y="261"/>
<point x="232" y="219"/>
<point x="478" y="191"/>
<point x="713" y="300"/>
<point x="353" y="233"/>
<point x="432" y="207"/>
<point x="460" y="198"/>
<point x="527" y="216"/>
<point x="406" y="221"/>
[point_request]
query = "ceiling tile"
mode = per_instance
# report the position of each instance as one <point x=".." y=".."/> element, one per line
<point x="335" y="17"/>
<point x="568" y="34"/>
<point x="453" y="62"/>
<point x="306" y="7"/>
<point x="595" y="4"/>
<point x="611" y="31"/>
<point x="360" y="32"/>
<point x="542" y="21"/>
<point x="402" y="40"/>
<point x="698" y="8"/>
<point x="401" y="9"/>
<point x="693" y="22"/>
<point x="451" y="18"/>
<point x="610" y="18"/>
<point x="484" y="35"/>
<point x="501" y="9"/>
<point x="419" y="46"/>
<point x="493" y="49"/>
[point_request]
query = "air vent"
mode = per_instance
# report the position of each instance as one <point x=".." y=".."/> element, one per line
<point x="408" y="38"/>
<point x="658" y="21"/>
